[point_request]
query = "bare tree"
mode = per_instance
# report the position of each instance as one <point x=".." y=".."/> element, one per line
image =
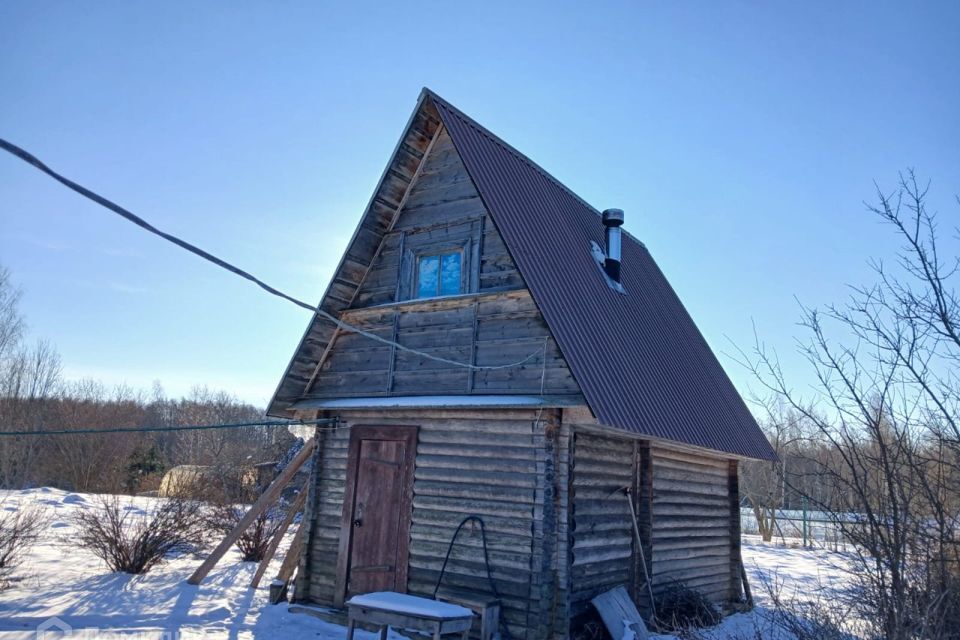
<point x="764" y="483"/>
<point x="34" y="398"/>
<point x="884" y="414"/>
<point x="27" y="375"/>
<point x="11" y="324"/>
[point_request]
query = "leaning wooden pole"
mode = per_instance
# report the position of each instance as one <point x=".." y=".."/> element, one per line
<point x="271" y="495"/>
<point x="643" y="558"/>
<point x="747" y="593"/>
<point x="278" y="591"/>
<point x="278" y="536"/>
<point x="293" y="555"/>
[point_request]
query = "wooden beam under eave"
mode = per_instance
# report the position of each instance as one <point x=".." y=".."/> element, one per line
<point x="373" y="260"/>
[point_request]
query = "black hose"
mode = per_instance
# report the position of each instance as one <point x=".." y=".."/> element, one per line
<point x="486" y="562"/>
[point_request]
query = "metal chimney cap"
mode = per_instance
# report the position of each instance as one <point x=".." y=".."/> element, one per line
<point x="612" y="217"/>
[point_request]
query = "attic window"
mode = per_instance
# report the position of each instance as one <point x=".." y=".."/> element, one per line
<point x="439" y="275"/>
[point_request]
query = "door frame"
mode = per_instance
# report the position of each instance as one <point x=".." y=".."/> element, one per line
<point x="402" y="433"/>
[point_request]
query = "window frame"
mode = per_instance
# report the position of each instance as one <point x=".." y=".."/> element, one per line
<point x="439" y="254"/>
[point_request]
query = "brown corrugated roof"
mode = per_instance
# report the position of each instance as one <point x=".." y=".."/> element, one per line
<point x="640" y="360"/>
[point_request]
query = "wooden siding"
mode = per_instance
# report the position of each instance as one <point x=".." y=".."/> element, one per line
<point x="691" y="523"/>
<point x="496" y="464"/>
<point x="494" y="321"/>
<point x="602" y="539"/>
<point x="442" y="211"/>
<point x="360" y="253"/>
<point x="485" y="330"/>
<point x="683" y="501"/>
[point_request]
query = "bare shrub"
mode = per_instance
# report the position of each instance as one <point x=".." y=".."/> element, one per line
<point x="253" y="542"/>
<point x="679" y="608"/>
<point x="134" y="543"/>
<point x="589" y="626"/>
<point x="19" y="530"/>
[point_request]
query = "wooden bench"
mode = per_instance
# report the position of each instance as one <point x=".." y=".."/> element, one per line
<point x="388" y="609"/>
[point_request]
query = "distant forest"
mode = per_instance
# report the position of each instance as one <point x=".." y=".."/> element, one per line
<point x="34" y="396"/>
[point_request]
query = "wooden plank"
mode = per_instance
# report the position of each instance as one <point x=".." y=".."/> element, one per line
<point x="312" y="521"/>
<point x="290" y="560"/>
<point x="620" y="614"/>
<point x="690" y="458"/>
<point x="278" y="536"/>
<point x="268" y="497"/>
<point x="736" y="562"/>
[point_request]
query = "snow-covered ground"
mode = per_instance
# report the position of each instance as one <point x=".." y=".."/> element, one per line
<point x="794" y="573"/>
<point x="61" y="587"/>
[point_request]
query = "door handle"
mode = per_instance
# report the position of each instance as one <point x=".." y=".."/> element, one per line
<point x="358" y="523"/>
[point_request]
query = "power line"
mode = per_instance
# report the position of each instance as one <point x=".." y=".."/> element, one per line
<point x="192" y="427"/>
<point x="223" y="264"/>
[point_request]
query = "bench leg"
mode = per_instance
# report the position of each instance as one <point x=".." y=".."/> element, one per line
<point x="350" y="627"/>
<point x="383" y="632"/>
<point x="436" y="633"/>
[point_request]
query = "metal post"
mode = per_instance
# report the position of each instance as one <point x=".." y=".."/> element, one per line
<point x="804" y="503"/>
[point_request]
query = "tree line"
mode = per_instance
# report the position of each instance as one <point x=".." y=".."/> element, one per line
<point x="35" y="396"/>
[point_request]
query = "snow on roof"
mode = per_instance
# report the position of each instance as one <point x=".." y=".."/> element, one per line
<point x="460" y="402"/>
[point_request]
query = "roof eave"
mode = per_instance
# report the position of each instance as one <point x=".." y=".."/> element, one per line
<point x="274" y="408"/>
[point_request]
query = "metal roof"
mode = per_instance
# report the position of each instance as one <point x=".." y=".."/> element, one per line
<point x="641" y="362"/>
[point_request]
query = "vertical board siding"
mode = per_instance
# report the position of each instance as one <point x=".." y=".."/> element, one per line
<point x="561" y="563"/>
<point x="442" y="210"/>
<point x="358" y="258"/>
<point x="691" y="523"/>
<point x="736" y="560"/>
<point x="501" y="324"/>
<point x="602" y="538"/>
<point x="487" y="330"/>
<point x="491" y="464"/>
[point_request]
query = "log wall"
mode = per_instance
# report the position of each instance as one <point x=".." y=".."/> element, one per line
<point x="692" y="539"/>
<point x="685" y="501"/>
<point x="500" y="465"/>
<point x="558" y="522"/>
<point x="602" y="538"/>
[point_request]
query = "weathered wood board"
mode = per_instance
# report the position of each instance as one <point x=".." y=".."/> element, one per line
<point x="618" y="613"/>
<point x="490" y="463"/>
<point x="493" y="322"/>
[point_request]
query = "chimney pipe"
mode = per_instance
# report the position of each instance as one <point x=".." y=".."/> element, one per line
<point x="612" y="219"/>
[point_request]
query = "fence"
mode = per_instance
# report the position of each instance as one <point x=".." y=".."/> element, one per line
<point x="809" y="528"/>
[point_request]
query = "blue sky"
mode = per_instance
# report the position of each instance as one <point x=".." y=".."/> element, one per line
<point x="741" y="139"/>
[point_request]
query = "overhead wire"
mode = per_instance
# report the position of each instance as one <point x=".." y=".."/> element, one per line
<point x="194" y="427"/>
<point x="32" y="160"/>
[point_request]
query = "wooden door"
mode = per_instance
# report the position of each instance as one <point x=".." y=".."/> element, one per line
<point x="375" y="527"/>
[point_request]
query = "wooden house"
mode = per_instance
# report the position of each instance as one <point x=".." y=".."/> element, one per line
<point x="504" y="350"/>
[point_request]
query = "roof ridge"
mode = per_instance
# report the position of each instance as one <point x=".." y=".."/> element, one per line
<point x="482" y="130"/>
<point x="508" y="147"/>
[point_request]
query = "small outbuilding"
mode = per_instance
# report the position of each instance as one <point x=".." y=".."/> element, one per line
<point x="504" y="350"/>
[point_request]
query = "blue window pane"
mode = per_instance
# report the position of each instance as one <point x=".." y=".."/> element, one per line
<point x="450" y="274"/>
<point x="427" y="276"/>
